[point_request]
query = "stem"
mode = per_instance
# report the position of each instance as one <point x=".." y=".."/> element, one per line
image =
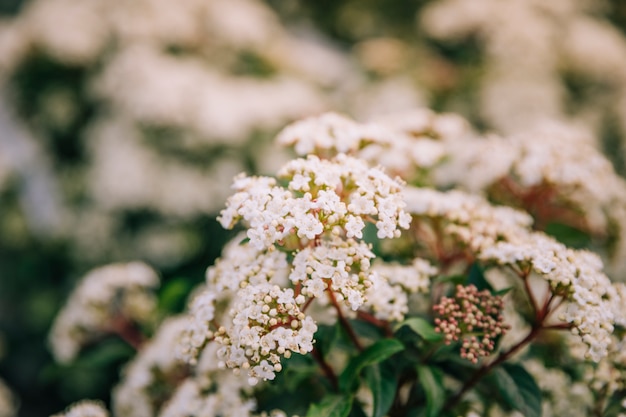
<point x="307" y="304"/>
<point x="342" y="319"/>
<point x="383" y="324"/>
<point x="127" y="331"/>
<point x="531" y="296"/>
<point x="328" y="371"/>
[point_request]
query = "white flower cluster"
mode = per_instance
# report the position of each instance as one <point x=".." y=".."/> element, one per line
<point x="155" y="383"/>
<point x="468" y="219"/>
<point x="322" y="196"/>
<point x="85" y="408"/>
<point x="317" y="218"/>
<point x="153" y="366"/>
<point x="401" y="152"/>
<point x="343" y="266"/>
<point x="104" y="296"/>
<point x="266" y="323"/>
<point x="240" y="265"/>
<point x="388" y="297"/>
<point x="576" y="276"/>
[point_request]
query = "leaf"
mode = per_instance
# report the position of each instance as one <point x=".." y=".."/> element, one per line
<point x="614" y="406"/>
<point x="568" y="235"/>
<point x="431" y="380"/>
<point x="377" y="352"/>
<point x="477" y="277"/>
<point x="452" y="279"/>
<point x="104" y="354"/>
<point x="173" y="294"/>
<point x="331" y="406"/>
<point x="502" y="292"/>
<point x="518" y="389"/>
<point x="422" y="328"/>
<point x="383" y="384"/>
<point x="327" y="337"/>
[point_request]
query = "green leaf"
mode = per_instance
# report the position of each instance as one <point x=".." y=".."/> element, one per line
<point x="383" y="384"/>
<point x="518" y="389"/>
<point x="452" y="279"/>
<point x="431" y="380"/>
<point x="502" y="292"/>
<point x="614" y="406"/>
<point x="104" y="354"/>
<point x="422" y="328"/>
<point x="173" y="294"/>
<point x="568" y="235"/>
<point x="376" y="353"/>
<point x="477" y="277"/>
<point x="327" y="337"/>
<point x="331" y="406"/>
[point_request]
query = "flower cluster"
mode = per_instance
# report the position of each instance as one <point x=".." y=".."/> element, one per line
<point x="321" y="195"/>
<point x="266" y="323"/>
<point x="472" y="316"/>
<point x="458" y="219"/>
<point x="388" y="298"/>
<point x="317" y="218"/>
<point x="109" y="299"/>
<point x="591" y="300"/>
<point x="339" y="265"/>
<point x="404" y="149"/>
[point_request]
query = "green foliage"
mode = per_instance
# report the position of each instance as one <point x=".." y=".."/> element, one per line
<point x="383" y="383"/>
<point x="431" y="380"/>
<point x="332" y="406"/>
<point x="517" y="388"/>
<point x="568" y="235"/>
<point x="614" y="406"/>
<point x="374" y="354"/>
<point x="421" y="327"/>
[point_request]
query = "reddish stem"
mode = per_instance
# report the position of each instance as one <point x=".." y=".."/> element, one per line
<point x="344" y="322"/>
<point x="328" y="371"/>
<point x="383" y="324"/>
<point x="127" y="331"/>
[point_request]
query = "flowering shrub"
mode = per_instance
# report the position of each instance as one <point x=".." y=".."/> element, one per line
<point x="349" y="292"/>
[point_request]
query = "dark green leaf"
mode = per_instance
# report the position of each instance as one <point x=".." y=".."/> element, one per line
<point x="431" y="380"/>
<point x="383" y="384"/>
<point x="331" y="406"/>
<point x="366" y="330"/>
<point x="614" y="406"/>
<point x="327" y="337"/>
<point x="477" y="277"/>
<point x="503" y="291"/>
<point x="568" y="235"/>
<point x="105" y="353"/>
<point x="376" y="353"/>
<point x="173" y="295"/>
<point x="518" y="389"/>
<point x="422" y="328"/>
<point x="452" y="279"/>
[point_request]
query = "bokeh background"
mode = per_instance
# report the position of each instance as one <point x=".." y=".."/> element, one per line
<point x="122" y="124"/>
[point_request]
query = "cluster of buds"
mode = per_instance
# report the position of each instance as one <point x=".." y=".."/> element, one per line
<point x="473" y="316"/>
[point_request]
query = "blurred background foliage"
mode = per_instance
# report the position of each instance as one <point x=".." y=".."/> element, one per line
<point x="53" y="101"/>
